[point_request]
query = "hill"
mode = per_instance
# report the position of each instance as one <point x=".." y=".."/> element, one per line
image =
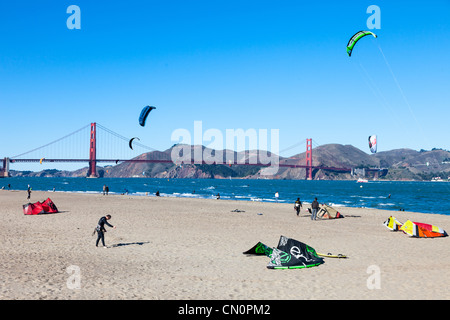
<point x="416" y="165"/>
<point x="400" y="164"/>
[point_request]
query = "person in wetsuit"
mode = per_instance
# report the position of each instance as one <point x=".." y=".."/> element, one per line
<point x="101" y="229"/>
<point x="297" y="206"/>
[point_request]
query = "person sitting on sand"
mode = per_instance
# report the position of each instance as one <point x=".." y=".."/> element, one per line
<point x="101" y="229"/>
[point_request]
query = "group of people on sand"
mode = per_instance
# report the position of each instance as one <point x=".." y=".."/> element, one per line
<point x="100" y="229"/>
<point x="105" y="189"/>
<point x="298" y="204"/>
<point x="314" y="208"/>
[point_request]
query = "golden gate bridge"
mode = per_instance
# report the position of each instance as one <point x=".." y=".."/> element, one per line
<point x="74" y="144"/>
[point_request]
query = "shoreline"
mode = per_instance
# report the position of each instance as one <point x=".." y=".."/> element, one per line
<point x="187" y="248"/>
<point x="187" y="195"/>
<point x="226" y="178"/>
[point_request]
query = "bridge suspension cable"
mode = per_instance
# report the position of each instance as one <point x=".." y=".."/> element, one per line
<point x="296" y="145"/>
<point x="73" y="146"/>
<point x="51" y="143"/>
<point x="138" y="144"/>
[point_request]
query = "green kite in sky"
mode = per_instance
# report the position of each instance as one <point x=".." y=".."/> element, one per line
<point x="355" y="38"/>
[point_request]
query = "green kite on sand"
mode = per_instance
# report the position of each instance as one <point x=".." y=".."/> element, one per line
<point x="289" y="254"/>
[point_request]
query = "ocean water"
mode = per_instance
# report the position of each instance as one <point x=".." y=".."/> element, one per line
<point x="425" y="197"/>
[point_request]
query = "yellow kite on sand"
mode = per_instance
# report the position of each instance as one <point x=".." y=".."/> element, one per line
<point x="422" y="230"/>
<point x="392" y="224"/>
<point x="415" y="229"/>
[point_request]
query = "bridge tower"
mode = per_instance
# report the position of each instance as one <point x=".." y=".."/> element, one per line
<point x="5" y="171"/>
<point x="309" y="159"/>
<point x="93" y="152"/>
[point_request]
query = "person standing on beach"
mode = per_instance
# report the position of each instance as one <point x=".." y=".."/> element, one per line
<point x="29" y="192"/>
<point x="104" y="189"/>
<point x="276" y="196"/>
<point x="315" y="208"/>
<point x="297" y="206"/>
<point x="101" y="229"/>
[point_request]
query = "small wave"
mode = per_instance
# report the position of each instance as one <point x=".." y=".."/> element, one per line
<point x="336" y="204"/>
<point x="192" y="195"/>
<point x="88" y="192"/>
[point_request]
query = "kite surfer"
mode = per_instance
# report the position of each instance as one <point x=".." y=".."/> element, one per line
<point x="315" y="208"/>
<point x="100" y="229"/>
<point x="29" y="192"/>
<point x="297" y="206"/>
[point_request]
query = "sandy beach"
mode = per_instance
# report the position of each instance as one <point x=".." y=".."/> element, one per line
<point x="184" y="248"/>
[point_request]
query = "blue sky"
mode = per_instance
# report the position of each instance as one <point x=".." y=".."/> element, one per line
<point x="230" y="64"/>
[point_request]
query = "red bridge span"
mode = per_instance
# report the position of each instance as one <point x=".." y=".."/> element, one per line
<point x="93" y="160"/>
